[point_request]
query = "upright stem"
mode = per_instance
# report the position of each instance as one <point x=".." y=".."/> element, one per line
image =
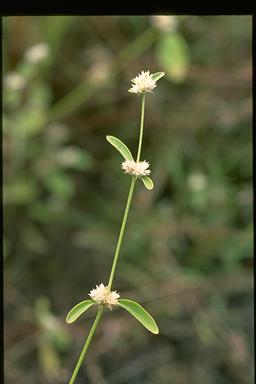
<point x="141" y="126"/>
<point x="86" y="345"/>
<point x="118" y="247"/>
<point x="129" y="199"/>
<point x="121" y="234"/>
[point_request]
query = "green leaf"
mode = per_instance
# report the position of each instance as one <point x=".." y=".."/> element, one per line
<point x="147" y="182"/>
<point x="60" y="184"/>
<point x="140" y="314"/>
<point x="156" y="76"/>
<point x="78" y="309"/>
<point x="173" y="56"/>
<point x="120" y="146"/>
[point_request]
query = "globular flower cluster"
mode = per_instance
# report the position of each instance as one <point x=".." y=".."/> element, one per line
<point x="143" y="83"/>
<point x="37" y="53"/>
<point x="103" y="296"/>
<point x="14" y="81"/>
<point x="137" y="169"/>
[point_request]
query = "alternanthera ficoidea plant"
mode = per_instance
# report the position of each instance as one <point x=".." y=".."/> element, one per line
<point x="102" y="296"/>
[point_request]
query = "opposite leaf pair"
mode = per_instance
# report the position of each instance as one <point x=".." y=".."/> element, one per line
<point x="131" y="306"/>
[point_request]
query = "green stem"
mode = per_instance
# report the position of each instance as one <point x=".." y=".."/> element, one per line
<point x="121" y="234"/>
<point x="127" y="208"/>
<point x="86" y="345"/>
<point x="118" y="247"/>
<point x="141" y="126"/>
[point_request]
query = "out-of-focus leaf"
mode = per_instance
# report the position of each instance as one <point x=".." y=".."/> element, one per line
<point x="140" y="314"/>
<point x="78" y="310"/>
<point x="28" y="122"/>
<point x="49" y="360"/>
<point x="42" y="307"/>
<point x="60" y="184"/>
<point x="120" y="146"/>
<point x="173" y="55"/>
<point x="148" y="182"/>
<point x="40" y="96"/>
<point x="55" y="29"/>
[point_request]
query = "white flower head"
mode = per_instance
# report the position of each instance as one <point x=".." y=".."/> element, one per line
<point x="37" y="53"/>
<point x="165" y="23"/>
<point x="14" y="81"/>
<point x="143" y="83"/>
<point x="134" y="168"/>
<point x="102" y="295"/>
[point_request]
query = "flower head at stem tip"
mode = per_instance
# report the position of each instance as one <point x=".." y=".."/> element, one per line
<point x="143" y="83"/>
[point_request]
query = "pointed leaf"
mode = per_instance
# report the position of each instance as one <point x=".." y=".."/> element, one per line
<point x="78" y="309"/>
<point x="140" y="314"/>
<point x="120" y="146"/>
<point x="147" y="182"/>
<point x="156" y="76"/>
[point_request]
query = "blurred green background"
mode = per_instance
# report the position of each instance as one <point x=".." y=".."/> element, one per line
<point x="187" y="252"/>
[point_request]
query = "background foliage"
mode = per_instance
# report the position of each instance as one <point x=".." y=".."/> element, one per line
<point x="187" y="253"/>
